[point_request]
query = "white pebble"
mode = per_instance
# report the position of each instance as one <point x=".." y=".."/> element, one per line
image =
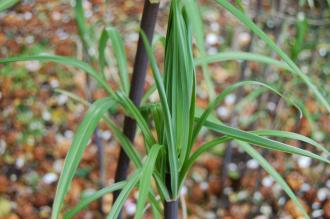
<point x="266" y="210"/>
<point x="20" y="162"/>
<point x="252" y="164"/>
<point x="204" y="186"/>
<point x="27" y="15"/>
<point x="323" y="194"/>
<point x="58" y="165"/>
<point x="271" y="106"/>
<point x="106" y="135"/>
<point x="56" y="16"/>
<point x="230" y="99"/>
<point x="317" y="213"/>
<point x="211" y="39"/>
<point x="3" y="146"/>
<point x="304" y="162"/>
<point x="49" y="178"/>
<point x="223" y="112"/>
<point x="130" y="207"/>
<point x="267" y="181"/>
<point x="62" y="99"/>
<point x="33" y="66"/>
<point x="46" y="115"/>
<point x="54" y="83"/>
<point x="305" y="187"/>
<point x="68" y="134"/>
<point x="214" y="26"/>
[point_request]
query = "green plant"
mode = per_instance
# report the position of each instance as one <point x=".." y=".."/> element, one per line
<point x="176" y="119"/>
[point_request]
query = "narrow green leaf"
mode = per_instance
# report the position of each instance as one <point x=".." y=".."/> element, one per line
<point x="145" y="181"/>
<point x="66" y="61"/>
<point x="86" y="201"/>
<point x="203" y="148"/>
<point x="5" y="4"/>
<point x="79" y="143"/>
<point x="260" y="141"/>
<point x="237" y="55"/>
<point x="173" y="158"/>
<point x="82" y="24"/>
<point x="253" y="27"/>
<point x="129" y="107"/>
<point x="119" y="52"/>
<point x="128" y="148"/>
<point x="221" y="97"/>
<point x="131" y="183"/>
<point x="291" y="135"/>
<point x="195" y="17"/>
<point x="276" y="176"/>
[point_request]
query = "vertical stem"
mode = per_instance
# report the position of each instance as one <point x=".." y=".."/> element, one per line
<point x="148" y="22"/>
<point x="170" y="207"/>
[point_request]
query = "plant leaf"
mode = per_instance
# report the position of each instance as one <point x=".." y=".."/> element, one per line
<point x="276" y="176"/>
<point x="79" y="143"/>
<point x="192" y="9"/>
<point x="237" y="55"/>
<point x="221" y="97"/>
<point x="66" y="61"/>
<point x="253" y="27"/>
<point x="119" y="52"/>
<point x="260" y="141"/>
<point x="172" y="153"/>
<point x="131" y="183"/>
<point x="86" y="201"/>
<point x="291" y="135"/>
<point x="5" y="4"/>
<point x="145" y="181"/>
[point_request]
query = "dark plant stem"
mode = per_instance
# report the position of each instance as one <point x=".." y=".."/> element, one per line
<point x="170" y="207"/>
<point x="148" y="22"/>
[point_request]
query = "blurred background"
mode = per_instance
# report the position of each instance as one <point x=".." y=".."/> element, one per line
<point x="37" y="123"/>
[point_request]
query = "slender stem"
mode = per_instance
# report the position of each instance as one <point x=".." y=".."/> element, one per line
<point x="171" y="209"/>
<point x="148" y="22"/>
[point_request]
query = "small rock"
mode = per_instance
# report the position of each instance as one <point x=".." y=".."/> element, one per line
<point x="49" y="178"/>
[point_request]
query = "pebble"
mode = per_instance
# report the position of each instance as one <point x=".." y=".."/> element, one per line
<point x="54" y="83"/>
<point x="106" y="135"/>
<point x="3" y="146"/>
<point x="304" y="162"/>
<point x="211" y="39"/>
<point x="57" y="165"/>
<point x="130" y="207"/>
<point x="46" y="115"/>
<point x="317" y="213"/>
<point x="33" y="66"/>
<point x="62" y="99"/>
<point x="230" y="99"/>
<point x="323" y="194"/>
<point x="223" y="112"/>
<point x="49" y="178"/>
<point x="252" y="164"/>
<point x="267" y="181"/>
<point x="20" y="162"/>
<point x="204" y="186"/>
<point x="266" y="210"/>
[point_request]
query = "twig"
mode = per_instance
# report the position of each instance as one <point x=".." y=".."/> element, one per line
<point x="148" y="22"/>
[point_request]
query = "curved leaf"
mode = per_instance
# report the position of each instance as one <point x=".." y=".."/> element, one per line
<point x="253" y="27"/>
<point x="63" y="60"/>
<point x="86" y="201"/>
<point x="77" y="148"/>
<point x="276" y="176"/>
<point x="119" y="52"/>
